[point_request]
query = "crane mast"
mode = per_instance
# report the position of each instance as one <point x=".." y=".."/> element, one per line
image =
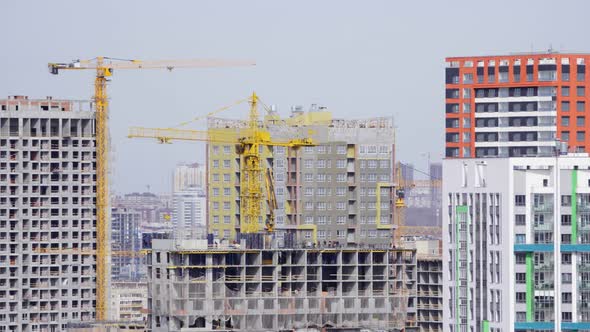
<point x="102" y="190"/>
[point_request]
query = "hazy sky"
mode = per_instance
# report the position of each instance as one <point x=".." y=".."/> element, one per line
<point x="358" y="58"/>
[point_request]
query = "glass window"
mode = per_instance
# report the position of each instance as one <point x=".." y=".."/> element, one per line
<point x="565" y="121"/>
<point x="519" y="200"/>
<point x="466" y="123"/>
<point x="520" y="219"/>
<point x="467" y="78"/>
<point x="580" y="121"/>
<point x="580" y="91"/>
<point x="566" y="200"/>
<point x="580" y="106"/>
<point x="565" y="91"/>
<point x="566" y="258"/>
<point x="580" y="77"/>
<point x="565" y="136"/>
<point x="580" y="136"/>
<point x="565" y="77"/>
<point x="565" y="105"/>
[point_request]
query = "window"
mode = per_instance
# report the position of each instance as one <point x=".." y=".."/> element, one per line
<point x="580" y="106"/>
<point x="520" y="239"/>
<point x="215" y="163"/>
<point x="216" y="219"/>
<point x="226" y="233"/>
<point x="308" y="177"/>
<point x="520" y="297"/>
<point x="321" y="191"/>
<point x="215" y="192"/>
<point x="341" y="163"/>
<point x="565" y="77"/>
<point x="308" y="206"/>
<point x="520" y="258"/>
<point x="308" y="163"/>
<point x="466" y="123"/>
<point x="580" y="77"/>
<point x="580" y="136"/>
<point x="566" y="297"/>
<point x="565" y="91"/>
<point x="341" y="220"/>
<point x="341" y="149"/>
<point x="341" y="234"/>
<point x="521" y="316"/>
<point x="340" y="191"/>
<point x="565" y="105"/>
<point x="321" y="163"/>
<point x="565" y="121"/>
<point x="566" y="238"/>
<point x="566" y="220"/>
<point x="340" y="177"/>
<point x="226" y="149"/>
<point x="226" y="220"/>
<point x="226" y="206"/>
<point x="566" y="259"/>
<point x="565" y="136"/>
<point x="466" y="108"/>
<point x="521" y="278"/>
<point x="566" y="316"/>
<point x="226" y="177"/>
<point x="580" y="91"/>
<point x="466" y="93"/>
<point x="308" y="149"/>
<point x="372" y="164"/>
<point x="520" y="219"/>
<point x="215" y="206"/>
<point x="226" y="192"/>
<point x="566" y="278"/>
<point x="308" y="220"/>
<point x="519" y="200"/>
<point x="308" y="192"/>
<point x="467" y="78"/>
<point x="226" y="163"/>
<point x="580" y="121"/>
<point x="215" y="177"/>
<point x="340" y="206"/>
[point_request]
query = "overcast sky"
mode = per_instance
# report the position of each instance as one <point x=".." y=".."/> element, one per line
<point x="358" y="58"/>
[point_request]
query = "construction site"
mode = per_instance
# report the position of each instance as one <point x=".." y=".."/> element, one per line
<point x="304" y="222"/>
<point x="196" y="288"/>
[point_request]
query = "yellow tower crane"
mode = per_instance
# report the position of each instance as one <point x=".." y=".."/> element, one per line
<point x="104" y="67"/>
<point x="248" y="143"/>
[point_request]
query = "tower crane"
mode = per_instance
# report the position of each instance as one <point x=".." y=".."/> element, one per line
<point x="104" y="67"/>
<point x="248" y="142"/>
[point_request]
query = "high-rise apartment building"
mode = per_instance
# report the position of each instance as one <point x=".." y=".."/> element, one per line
<point x="516" y="244"/>
<point x="516" y="105"/>
<point x="189" y="214"/>
<point x="47" y="214"/>
<point x="189" y="175"/>
<point x="125" y="243"/>
<point x="338" y="191"/>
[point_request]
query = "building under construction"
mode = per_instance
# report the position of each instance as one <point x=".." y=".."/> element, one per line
<point x="47" y="214"/>
<point x="337" y="191"/>
<point x="195" y="287"/>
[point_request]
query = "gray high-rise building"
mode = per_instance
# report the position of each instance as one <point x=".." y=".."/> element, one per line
<point x="47" y="214"/>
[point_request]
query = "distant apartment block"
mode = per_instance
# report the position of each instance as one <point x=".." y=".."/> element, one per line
<point x="189" y="175"/>
<point x="338" y="191"/>
<point x="127" y="264"/>
<point x="516" y="243"/>
<point x="47" y="214"/>
<point x="128" y="302"/>
<point x="189" y="217"/>
<point x="516" y="105"/>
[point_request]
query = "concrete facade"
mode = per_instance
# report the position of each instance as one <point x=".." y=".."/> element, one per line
<point x="189" y="175"/>
<point x="47" y="214"/>
<point x="516" y="242"/>
<point x="203" y="289"/>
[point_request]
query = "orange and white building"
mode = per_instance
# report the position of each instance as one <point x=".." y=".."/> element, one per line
<point x="516" y="105"/>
